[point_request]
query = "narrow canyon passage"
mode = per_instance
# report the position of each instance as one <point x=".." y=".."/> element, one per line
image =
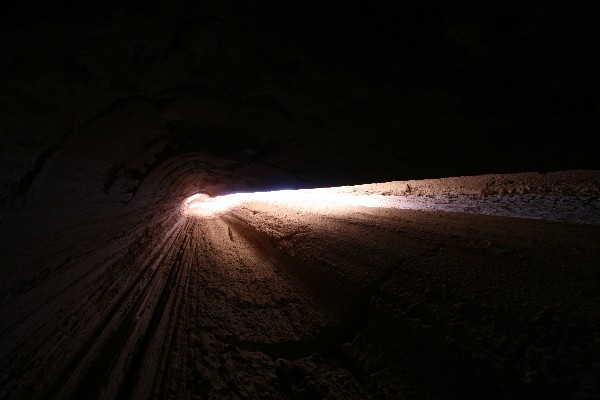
<point x="284" y="301"/>
<point x="231" y="199"/>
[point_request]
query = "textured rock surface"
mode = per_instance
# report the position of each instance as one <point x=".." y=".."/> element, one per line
<point x="111" y="115"/>
<point x="279" y="301"/>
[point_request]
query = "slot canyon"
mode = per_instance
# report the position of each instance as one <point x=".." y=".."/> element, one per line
<point x="299" y="200"/>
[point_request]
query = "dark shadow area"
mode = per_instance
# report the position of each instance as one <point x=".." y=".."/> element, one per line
<point x="113" y="112"/>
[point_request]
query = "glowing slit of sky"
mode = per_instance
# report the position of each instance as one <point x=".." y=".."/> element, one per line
<point x="202" y="205"/>
<point x="340" y="199"/>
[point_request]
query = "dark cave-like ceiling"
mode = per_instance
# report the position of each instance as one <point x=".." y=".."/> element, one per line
<point x="329" y="92"/>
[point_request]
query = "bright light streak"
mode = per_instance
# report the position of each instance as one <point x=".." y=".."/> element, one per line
<point x="339" y="199"/>
<point x="202" y="205"/>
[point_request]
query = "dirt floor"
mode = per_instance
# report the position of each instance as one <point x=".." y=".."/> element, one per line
<point x="280" y="301"/>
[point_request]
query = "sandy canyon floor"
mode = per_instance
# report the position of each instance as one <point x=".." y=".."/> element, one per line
<point x="276" y="300"/>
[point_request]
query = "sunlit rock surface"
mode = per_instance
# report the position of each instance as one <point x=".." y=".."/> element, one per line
<point x="112" y="116"/>
<point x="371" y="294"/>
